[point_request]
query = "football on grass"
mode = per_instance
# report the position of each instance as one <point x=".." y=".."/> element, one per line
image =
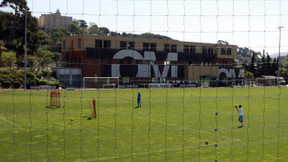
<point x="206" y="142"/>
<point x="71" y="119"/>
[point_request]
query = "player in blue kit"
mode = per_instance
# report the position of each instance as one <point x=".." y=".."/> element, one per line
<point x="138" y="99"/>
<point x="240" y="111"/>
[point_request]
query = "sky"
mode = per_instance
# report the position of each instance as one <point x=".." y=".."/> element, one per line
<point x="245" y="23"/>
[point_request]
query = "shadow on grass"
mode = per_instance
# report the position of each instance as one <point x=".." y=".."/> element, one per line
<point x="53" y="107"/>
<point x="88" y="117"/>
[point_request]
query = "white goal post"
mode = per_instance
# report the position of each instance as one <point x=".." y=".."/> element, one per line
<point x="100" y="82"/>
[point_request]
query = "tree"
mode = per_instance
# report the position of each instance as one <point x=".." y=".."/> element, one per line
<point x="252" y="66"/>
<point x="93" y="29"/>
<point x="82" y="23"/>
<point x="75" y="28"/>
<point x="53" y="41"/>
<point x="13" y="28"/>
<point x="19" y="6"/>
<point x="262" y="66"/>
<point x="8" y="58"/>
<point x="275" y="65"/>
<point x="244" y="54"/>
<point x="222" y="42"/>
<point x="115" y="33"/>
<point x="104" y="31"/>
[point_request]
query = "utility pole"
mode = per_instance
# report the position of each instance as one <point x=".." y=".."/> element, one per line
<point x="25" y="54"/>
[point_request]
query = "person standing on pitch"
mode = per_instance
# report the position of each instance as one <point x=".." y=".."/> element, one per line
<point x="139" y="99"/>
<point x="240" y="111"/>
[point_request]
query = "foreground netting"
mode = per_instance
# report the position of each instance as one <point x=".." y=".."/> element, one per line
<point x="173" y="124"/>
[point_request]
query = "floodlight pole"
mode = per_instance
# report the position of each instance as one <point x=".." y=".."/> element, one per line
<point x="25" y="54"/>
<point x="278" y="75"/>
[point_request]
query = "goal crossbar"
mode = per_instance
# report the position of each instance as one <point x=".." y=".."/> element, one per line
<point x="96" y="78"/>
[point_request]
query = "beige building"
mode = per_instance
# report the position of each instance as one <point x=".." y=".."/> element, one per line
<point x="142" y="59"/>
<point x="55" y="20"/>
<point x="224" y="54"/>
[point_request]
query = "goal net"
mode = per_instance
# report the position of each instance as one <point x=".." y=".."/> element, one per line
<point x="100" y="82"/>
<point x="265" y="82"/>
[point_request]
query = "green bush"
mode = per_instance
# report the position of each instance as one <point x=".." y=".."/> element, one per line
<point x="30" y="75"/>
<point x="2" y="79"/>
<point x="37" y="80"/>
<point x="4" y="71"/>
<point x="45" y="73"/>
<point x="6" y="84"/>
<point x="32" y="82"/>
<point x="42" y="82"/>
<point x="16" y="84"/>
<point x="21" y="80"/>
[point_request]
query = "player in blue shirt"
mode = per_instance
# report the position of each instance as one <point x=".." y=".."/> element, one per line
<point x="139" y="99"/>
<point x="240" y="111"/>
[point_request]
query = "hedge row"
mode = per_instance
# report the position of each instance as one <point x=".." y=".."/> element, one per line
<point x="15" y="79"/>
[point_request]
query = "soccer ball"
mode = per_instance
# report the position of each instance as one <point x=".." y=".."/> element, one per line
<point x="71" y="119"/>
<point x="206" y="142"/>
<point x="236" y="105"/>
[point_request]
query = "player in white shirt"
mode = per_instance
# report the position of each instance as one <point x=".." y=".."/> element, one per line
<point x="240" y="111"/>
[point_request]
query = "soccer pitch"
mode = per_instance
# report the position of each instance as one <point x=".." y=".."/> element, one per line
<point x="172" y="125"/>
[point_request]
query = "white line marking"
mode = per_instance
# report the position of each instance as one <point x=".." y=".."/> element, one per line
<point x="3" y="118"/>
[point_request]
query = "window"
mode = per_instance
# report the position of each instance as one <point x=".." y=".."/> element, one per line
<point x="229" y="51"/>
<point x="123" y="45"/>
<point x="149" y="46"/>
<point x="102" y="43"/>
<point x="127" y="45"/>
<point x="207" y="50"/>
<point x="146" y="46"/>
<point x="131" y="45"/>
<point x="79" y="43"/>
<point x="189" y="49"/>
<point x="186" y="49"/>
<point x="107" y="44"/>
<point x="153" y="47"/>
<point x="173" y="48"/>
<point x="170" y="48"/>
<point x="166" y="48"/>
<point x="210" y="50"/>
<point x="226" y="51"/>
<point x="223" y="51"/>
<point x="98" y="43"/>
<point x="192" y="49"/>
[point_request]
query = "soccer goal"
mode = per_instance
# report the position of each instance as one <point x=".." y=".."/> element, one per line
<point x="265" y="82"/>
<point x="100" y="82"/>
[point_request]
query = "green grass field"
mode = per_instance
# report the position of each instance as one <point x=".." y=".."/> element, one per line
<point x="172" y="125"/>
